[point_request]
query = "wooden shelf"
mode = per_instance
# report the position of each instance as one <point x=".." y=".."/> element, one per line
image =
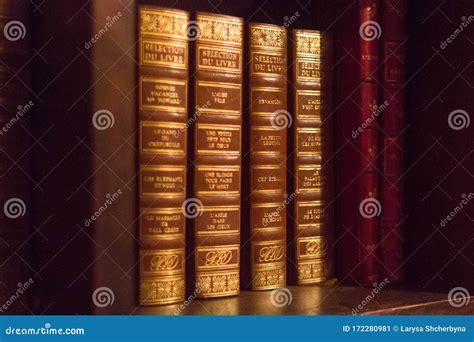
<point x="320" y="300"/>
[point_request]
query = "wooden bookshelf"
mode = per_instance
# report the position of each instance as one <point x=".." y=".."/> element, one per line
<point x="71" y="262"/>
<point x="320" y="300"/>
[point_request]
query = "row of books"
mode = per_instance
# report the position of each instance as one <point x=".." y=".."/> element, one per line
<point x="212" y="195"/>
<point x="256" y="185"/>
<point x="239" y="128"/>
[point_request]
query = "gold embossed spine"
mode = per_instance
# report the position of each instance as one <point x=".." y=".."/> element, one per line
<point x="267" y="167"/>
<point x="310" y="237"/>
<point x="162" y="107"/>
<point x="217" y="153"/>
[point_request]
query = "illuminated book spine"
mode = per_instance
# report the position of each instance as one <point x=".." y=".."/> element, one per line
<point x="311" y="216"/>
<point x="269" y="120"/>
<point x="217" y="154"/>
<point x="163" y="84"/>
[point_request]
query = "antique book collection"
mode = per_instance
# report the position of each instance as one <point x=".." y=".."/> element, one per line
<point x="245" y="155"/>
<point x="236" y="161"/>
<point x="213" y="206"/>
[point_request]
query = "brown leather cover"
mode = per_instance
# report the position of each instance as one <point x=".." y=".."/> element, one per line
<point x="217" y="154"/>
<point x="269" y="121"/>
<point x="392" y="143"/>
<point x="310" y="219"/>
<point x="78" y="168"/>
<point x="357" y="178"/>
<point x="17" y="103"/>
<point x="163" y="105"/>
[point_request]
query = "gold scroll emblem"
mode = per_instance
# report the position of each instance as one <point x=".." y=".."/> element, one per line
<point x="164" y="262"/>
<point x="218" y="258"/>
<point x="312" y="247"/>
<point x="271" y="253"/>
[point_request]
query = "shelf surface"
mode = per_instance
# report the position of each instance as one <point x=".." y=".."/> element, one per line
<point x="321" y="300"/>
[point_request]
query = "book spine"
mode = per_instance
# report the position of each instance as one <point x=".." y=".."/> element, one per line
<point x="17" y="103"/>
<point x="269" y="121"/>
<point x="309" y="234"/>
<point x="369" y="13"/>
<point x="392" y="186"/>
<point x="163" y="84"/>
<point x="217" y="154"/>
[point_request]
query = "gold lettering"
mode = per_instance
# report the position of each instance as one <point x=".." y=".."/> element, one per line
<point x="164" y="262"/>
<point x="271" y="253"/>
<point x="313" y="247"/>
<point x="218" y="258"/>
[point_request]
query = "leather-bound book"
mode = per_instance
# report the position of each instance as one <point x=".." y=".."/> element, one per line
<point x="393" y="124"/>
<point x="217" y="154"/>
<point x="358" y="108"/>
<point x="163" y="105"/>
<point x="267" y="133"/>
<point x="311" y="234"/>
<point x="17" y="105"/>
<point x="85" y="190"/>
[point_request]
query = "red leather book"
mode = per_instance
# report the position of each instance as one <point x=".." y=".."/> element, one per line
<point x="357" y="110"/>
<point x="85" y="164"/>
<point x="391" y="178"/>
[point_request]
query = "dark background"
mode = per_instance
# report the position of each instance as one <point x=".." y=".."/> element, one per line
<point x="75" y="165"/>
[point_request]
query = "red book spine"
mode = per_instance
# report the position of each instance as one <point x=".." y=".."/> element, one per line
<point x="357" y="96"/>
<point x="392" y="187"/>
<point x="369" y="206"/>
